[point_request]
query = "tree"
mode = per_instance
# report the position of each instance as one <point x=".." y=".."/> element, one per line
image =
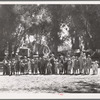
<point x="7" y="25"/>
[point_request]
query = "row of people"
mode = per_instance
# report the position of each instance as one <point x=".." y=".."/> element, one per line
<point x="50" y="65"/>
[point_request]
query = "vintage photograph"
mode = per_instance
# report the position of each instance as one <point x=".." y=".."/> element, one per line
<point x="49" y="48"/>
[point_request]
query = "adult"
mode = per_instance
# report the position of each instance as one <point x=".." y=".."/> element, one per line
<point x="48" y="68"/>
<point x="17" y="67"/>
<point x="81" y="63"/>
<point x="36" y="66"/>
<point x="73" y="64"/>
<point x="62" y="61"/>
<point x="5" y="65"/>
<point x="32" y="66"/>
<point x="39" y="65"/>
<point x="25" y="61"/>
<point x="43" y="65"/>
<point x="65" y="66"/>
<point x="52" y="59"/>
<point x="84" y="64"/>
<point x="29" y="65"/>
<point x="76" y="67"/>
<point x="56" y="66"/>
<point x="89" y="63"/>
<point x="12" y="66"/>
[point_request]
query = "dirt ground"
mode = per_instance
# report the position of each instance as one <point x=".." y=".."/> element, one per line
<point x="50" y="83"/>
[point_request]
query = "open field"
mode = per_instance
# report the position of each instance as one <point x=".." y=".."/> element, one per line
<point x="50" y="83"/>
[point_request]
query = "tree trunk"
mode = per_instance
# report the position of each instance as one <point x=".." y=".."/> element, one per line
<point x="10" y="49"/>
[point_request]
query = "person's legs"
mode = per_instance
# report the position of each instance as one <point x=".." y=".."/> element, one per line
<point x="96" y="70"/>
<point x="4" y="70"/>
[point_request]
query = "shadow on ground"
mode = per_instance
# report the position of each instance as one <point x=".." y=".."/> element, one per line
<point x="80" y="87"/>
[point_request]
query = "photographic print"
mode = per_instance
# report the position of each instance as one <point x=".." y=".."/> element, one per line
<point x="49" y="48"/>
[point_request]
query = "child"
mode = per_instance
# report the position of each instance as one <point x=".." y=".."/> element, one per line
<point x="95" y="68"/>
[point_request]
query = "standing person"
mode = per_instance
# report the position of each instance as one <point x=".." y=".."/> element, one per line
<point x="43" y="65"/>
<point x="9" y="67"/>
<point x="25" y="61"/>
<point x="32" y="66"/>
<point x="39" y="65"/>
<point x="69" y="66"/>
<point x="65" y="66"/>
<point x="5" y="62"/>
<point x="69" y="63"/>
<point x="76" y="67"/>
<point x="73" y="64"/>
<point x="36" y="65"/>
<point x="95" y="68"/>
<point x="52" y="59"/>
<point x="60" y="66"/>
<point x="13" y="67"/>
<point x="89" y="62"/>
<point x="62" y="61"/>
<point x="84" y="65"/>
<point x="29" y="65"/>
<point x="49" y="66"/>
<point x="81" y="63"/>
<point x="17" y="67"/>
<point x="22" y="67"/>
<point x="56" y="66"/>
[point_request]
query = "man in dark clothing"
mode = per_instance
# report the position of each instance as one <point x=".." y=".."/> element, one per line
<point x="65" y="66"/>
<point x="43" y="65"/>
<point x="62" y="62"/>
<point x="32" y="66"/>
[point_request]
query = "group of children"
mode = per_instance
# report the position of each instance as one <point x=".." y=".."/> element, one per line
<point x="51" y="65"/>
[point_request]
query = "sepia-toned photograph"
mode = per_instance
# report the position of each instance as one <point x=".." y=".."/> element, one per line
<point x="49" y="48"/>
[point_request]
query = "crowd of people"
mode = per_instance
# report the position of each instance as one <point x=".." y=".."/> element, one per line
<point x="47" y="65"/>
